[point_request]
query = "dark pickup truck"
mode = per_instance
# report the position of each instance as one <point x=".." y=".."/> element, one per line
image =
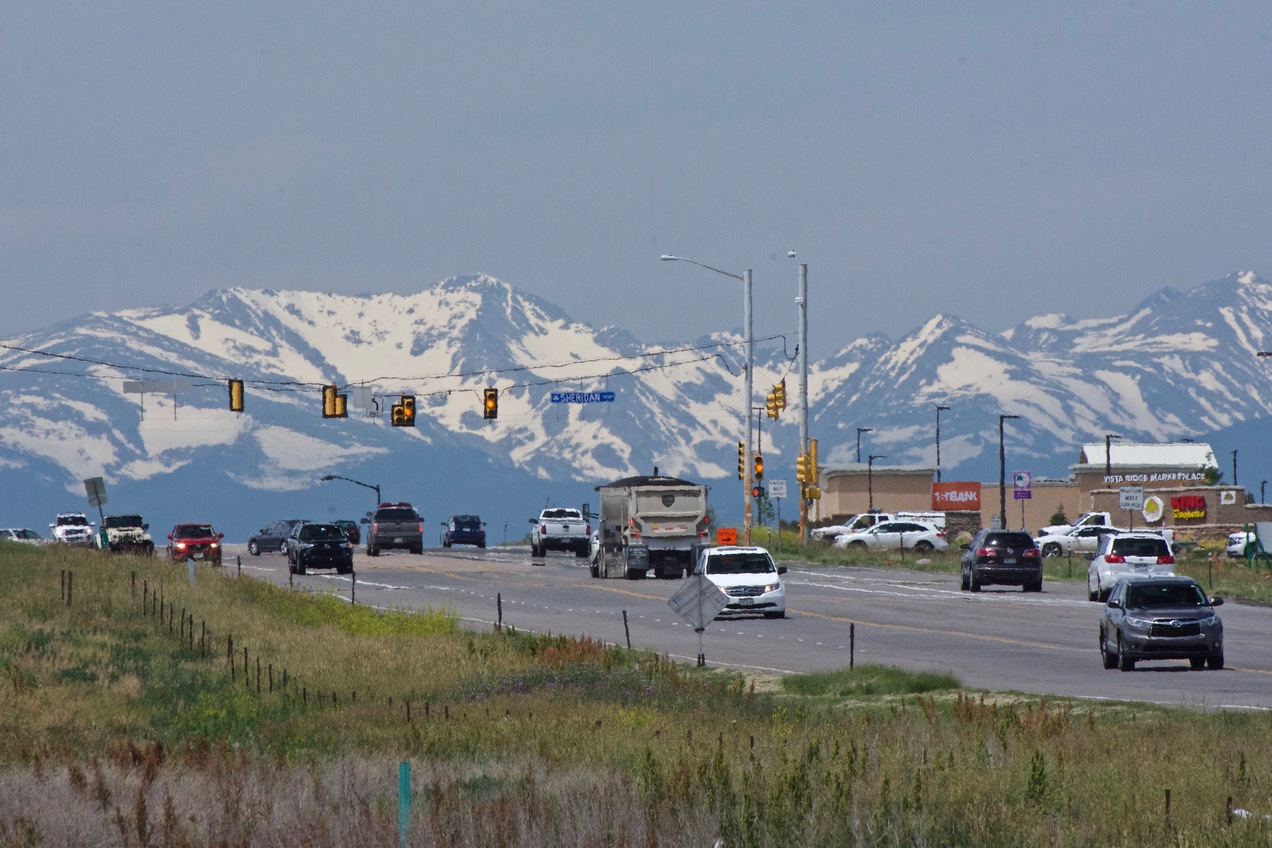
<point x="395" y="525"/>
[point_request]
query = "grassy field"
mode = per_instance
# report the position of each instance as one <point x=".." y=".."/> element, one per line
<point x="141" y="709"/>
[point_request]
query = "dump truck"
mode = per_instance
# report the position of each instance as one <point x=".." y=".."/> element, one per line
<point x="654" y="523"/>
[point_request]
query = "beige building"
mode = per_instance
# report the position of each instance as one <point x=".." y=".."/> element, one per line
<point x="1172" y="476"/>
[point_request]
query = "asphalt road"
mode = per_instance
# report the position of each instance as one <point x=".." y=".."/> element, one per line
<point x="998" y="640"/>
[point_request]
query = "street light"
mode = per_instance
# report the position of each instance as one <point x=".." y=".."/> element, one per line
<point x="861" y="430"/>
<point x="1262" y="484"/>
<point x="1108" y="454"/>
<point x="939" y="410"/>
<point x="745" y="278"/>
<point x="375" y="489"/>
<point x="1002" y="473"/>
<point x="1234" y="468"/>
<point x="801" y="304"/>
<point x="870" y="477"/>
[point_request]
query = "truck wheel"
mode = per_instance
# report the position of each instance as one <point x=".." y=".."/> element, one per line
<point x="372" y="550"/>
<point x="300" y="567"/>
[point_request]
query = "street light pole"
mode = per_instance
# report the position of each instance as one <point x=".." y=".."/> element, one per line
<point x="861" y="430"/>
<point x="370" y="486"/>
<point x="1002" y="473"/>
<point x="801" y="304"/>
<point x="745" y="278"/>
<point x="1262" y="484"/>
<point x="1108" y="454"/>
<point x="939" y="410"/>
<point x="870" y="477"/>
<point x="1234" y="468"/>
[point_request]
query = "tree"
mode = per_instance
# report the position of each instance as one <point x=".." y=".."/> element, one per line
<point x="1058" y="517"/>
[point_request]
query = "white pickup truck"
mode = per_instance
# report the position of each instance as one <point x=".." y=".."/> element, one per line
<point x="863" y="521"/>
<point x="1086" y="519"/>
<point x="560" y="529"/>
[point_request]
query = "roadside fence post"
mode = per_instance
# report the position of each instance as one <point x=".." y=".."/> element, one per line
<point x="626" y="631"/>
<point x="499" y="611"/>
<point x="852" y="643"/>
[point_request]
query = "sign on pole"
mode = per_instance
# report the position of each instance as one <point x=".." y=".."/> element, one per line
<point x="1022" y="489"/>
<point x="96" y="489"/>
<point x="1130" y="497"/>
<point x="777" y="488"/>
<point x="698" y="601"/>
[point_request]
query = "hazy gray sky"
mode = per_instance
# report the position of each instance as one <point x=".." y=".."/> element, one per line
<point x="989" y="160"/>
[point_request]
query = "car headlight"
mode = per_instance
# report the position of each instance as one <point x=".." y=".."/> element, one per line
<point x="772" y="587"/>
<point x="1139" y="622"/>
<point x="1208" y="621"/>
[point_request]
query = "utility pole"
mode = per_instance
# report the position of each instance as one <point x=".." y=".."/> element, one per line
<point x="801" y="304"/>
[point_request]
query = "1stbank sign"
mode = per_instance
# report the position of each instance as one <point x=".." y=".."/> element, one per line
<point x="948" y="497"/>
<point x="1184" y="507"/>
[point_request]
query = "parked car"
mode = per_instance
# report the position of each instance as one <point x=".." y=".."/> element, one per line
<point x="748" y="576"/>
<point x="892" y="535"/>
<point x="1076" y="540"/>
<point x="395" y="525"/>
<point x="1133" y="552"/>
<point x="464" y="530"/>
<point x="351" y="530"/>
<point x="195" y="541"/>
<point x="1239" y="544"/>
<point x="22" y="534"/>
<point x="1001" y="557"/>
<point x="271" y="537"/>
<point x="315" y="545"/>
<point x="73" y="528"/>
<point x="1160" y="618"/>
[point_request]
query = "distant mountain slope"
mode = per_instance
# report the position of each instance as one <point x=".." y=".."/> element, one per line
<point x="1178" y="365"/>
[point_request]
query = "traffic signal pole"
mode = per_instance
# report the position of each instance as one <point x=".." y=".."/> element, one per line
<point x="801" y="304"/>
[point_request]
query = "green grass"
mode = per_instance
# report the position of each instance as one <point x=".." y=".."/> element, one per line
<point x="119" y="728"/>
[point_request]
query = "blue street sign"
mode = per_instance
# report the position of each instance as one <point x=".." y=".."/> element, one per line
<point x="582" y="397"/>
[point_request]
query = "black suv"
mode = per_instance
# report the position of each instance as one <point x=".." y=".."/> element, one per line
<point x="395" y="525"/>
<point x="1002" y="557"/>
<point x="319" y="546"/>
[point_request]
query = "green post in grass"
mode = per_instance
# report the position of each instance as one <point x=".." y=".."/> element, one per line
<point x="404" y="802"/>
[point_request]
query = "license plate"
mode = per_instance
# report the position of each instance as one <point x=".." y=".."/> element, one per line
<point x="397" y="540"/>
<point x="745" y="602"/>
<point x="198" y="556"/>
<point x="1009" y="560"/>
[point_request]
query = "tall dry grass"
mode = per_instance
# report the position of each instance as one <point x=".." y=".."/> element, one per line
<point x="119" y="727"/>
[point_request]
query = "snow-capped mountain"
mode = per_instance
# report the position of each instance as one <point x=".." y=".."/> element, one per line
<point x="1178" y="365"/>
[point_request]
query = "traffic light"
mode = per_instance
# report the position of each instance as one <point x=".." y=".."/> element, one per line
<point x="801" y="468"/>
<point x="490" y="409"/>
<point x="757" y="491"/>
<point x="408" y="410"/>
<point x="236" y="395"/>
<point x="780" y="391"/>
<point x="329" y="401"/>
<point x="770" y="404"/>
<point x="759" y="467"/>
<point x="741" y="460"/>
<point x="397" y="415"/>
<point x="342" y="405"/>
<point x="812" y="465"/>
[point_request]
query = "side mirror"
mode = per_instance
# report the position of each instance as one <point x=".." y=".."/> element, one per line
<point x="534" y="521"/>
<point x="1114" y="604"/>
<point x="220" y="535"/>
<point x="145" y="527"/>
<point x="1216" y="602"/>
<point x="781" y="569"/>
<point x="364" y="520"/>
<point x="169" y="537"/>
<point x="1088" y="556"/>
<point x="966" y="547"/>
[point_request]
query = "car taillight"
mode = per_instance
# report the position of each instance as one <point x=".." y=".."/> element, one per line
<point x="1166" y="560"/>
<point x="421" y="528"/>
<point x="941" y="533"/>
<point x="986" y="552"/>
<point x="1114" y="558"/>
<point x="1032" y="553"/>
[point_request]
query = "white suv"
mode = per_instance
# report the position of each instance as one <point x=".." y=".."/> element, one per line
<point x="1123" y="554"/>
<point x="748" y="576"/>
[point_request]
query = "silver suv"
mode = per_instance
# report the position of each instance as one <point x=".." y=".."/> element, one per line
<point x="395" y="525"/>
<point x="1126" y="554"/>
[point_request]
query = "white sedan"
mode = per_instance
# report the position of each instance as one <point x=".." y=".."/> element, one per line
<point x="1079" y="540"/>
<point x="896" y="535"/>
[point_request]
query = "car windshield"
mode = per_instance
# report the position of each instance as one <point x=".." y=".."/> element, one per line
<point x="467" y="522"/>
<point x="321" y="533"/>
<point x="71" y="521"/>
<point x="1165" y="595"/>
<point x="194" y="530"/>
<point x="397" y="514"/>
<point x="751" y="563"/>
<point x="1140" y="547"/>
<point x="560" y="513"/>
<point x="123" y="521"/>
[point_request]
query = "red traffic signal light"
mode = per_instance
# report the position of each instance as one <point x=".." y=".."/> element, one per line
<point x="757" y="491"/>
